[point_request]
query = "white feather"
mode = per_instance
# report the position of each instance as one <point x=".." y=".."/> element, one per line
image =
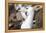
<point x="29" y="19"/>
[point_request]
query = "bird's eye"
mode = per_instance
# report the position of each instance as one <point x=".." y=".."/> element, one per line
<point x="14" y="17"/>
<point x="18" y="8"/>
<point x="26" y="13"/>
<point x="33" y="22"/>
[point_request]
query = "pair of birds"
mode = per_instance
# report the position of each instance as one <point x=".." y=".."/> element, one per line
<point x="28" y="14"/>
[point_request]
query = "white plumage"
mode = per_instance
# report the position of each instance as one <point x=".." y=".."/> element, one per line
<point x="28" y="23"/>
<point x="28" y="19"/>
